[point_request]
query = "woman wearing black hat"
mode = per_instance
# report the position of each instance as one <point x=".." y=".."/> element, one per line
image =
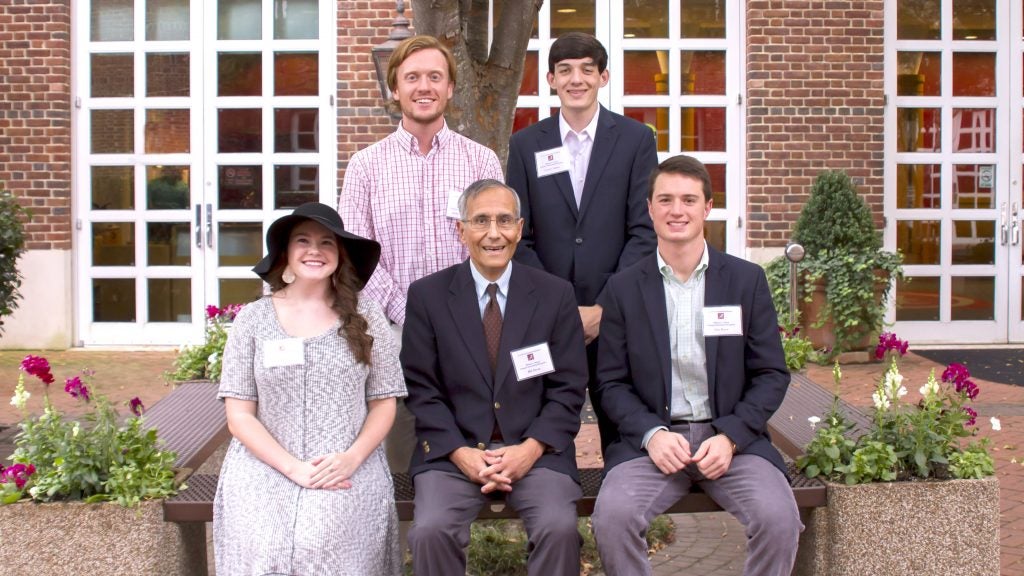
<point x="309" y="383"/>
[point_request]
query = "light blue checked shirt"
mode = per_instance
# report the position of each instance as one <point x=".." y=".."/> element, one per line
<point x="684" y="303"/>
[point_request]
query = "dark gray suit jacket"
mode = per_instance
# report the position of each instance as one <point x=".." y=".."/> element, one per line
<point x="611" y="229"/>
<point x="452" y="392"/>
<point x="747" y="375"/>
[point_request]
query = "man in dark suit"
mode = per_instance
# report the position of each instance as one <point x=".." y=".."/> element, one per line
<point x="691" y="369"/>
<point x="582" y="178"/>
<point x="496" y="370"/>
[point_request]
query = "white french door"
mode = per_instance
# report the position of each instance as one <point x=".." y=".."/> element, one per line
<point x="675" y="65"/>
<point x="954" y="165"/>
<point x="197" y="124"/>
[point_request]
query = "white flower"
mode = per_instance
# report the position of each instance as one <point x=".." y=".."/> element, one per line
<point x="75" y="430"/>
<point x="893" y="384"/>
<point x="931" y="387"/>
<point x="901" y="392"/>
<point x="21" y="395"/>
<point x="996" y="424"/>
<point x="212" y="358"/>
<point x="814" y="421"/>
<point x="881" y="400"/>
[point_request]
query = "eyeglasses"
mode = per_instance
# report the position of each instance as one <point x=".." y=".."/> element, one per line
<point x="504" y="222"/>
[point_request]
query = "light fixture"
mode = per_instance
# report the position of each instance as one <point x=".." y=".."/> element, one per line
<point x="566" y="10"/>
<point x="382" y="52"/>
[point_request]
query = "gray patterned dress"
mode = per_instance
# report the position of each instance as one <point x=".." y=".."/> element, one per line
<point x="263" y="523"/>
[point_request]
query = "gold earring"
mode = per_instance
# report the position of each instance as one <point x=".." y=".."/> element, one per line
<point x="288" y="276"/>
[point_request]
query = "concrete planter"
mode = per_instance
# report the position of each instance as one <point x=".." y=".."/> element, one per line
<point x="72" y="538"/>
<point x="936" y="527"/>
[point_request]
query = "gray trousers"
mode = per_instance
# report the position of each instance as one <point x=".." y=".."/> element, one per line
<point x="753" y="490"/>
<point x="447" y="503"/>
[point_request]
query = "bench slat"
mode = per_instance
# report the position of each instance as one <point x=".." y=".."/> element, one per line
<point x="190" y="421"/>
<point x="791" y="432"/>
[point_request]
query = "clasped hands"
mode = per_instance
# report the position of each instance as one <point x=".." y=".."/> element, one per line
<point x="330" y="471"/>
<point x="670" y="452"/>
<point x="498" y="469"/>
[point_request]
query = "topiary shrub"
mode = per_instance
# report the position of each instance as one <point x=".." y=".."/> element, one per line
<point x="12" y="246"/>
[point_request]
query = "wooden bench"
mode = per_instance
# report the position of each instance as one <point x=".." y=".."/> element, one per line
<point x="789" y="428"/>
<point x="190" y="421"/>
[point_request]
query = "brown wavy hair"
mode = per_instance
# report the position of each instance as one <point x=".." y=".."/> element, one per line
<point x="354" y="327"/>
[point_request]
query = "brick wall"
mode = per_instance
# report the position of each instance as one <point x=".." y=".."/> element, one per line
<point x="361" y="117"/>
<point x="35" y="115"/>
<point x="814" y="102"/>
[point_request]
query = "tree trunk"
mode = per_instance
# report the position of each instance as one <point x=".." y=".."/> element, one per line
<point x="487" y="86"/>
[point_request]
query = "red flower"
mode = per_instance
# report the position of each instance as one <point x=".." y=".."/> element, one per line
<point x="76" y="388"/>
<point x="37" y="366"/>
<point x="135" y="405"/>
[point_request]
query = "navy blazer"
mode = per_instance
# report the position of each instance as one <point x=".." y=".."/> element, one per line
<point x="611" y="229"/>
<point x="747" y="375"/>
<point x="453" y="394"/>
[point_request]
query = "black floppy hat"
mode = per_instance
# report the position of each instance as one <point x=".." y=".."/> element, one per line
<point x="362" y="252"/>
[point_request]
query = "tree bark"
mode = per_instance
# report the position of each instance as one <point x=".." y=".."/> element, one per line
<point x="487" y="85"/>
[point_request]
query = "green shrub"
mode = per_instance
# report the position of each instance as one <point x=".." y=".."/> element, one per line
<point x="12" y="246"/>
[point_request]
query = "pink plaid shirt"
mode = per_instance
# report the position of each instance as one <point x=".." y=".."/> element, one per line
<point x="399" y="197"/>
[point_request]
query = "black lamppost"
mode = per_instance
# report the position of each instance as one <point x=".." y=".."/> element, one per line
<point x="382" y="52"/>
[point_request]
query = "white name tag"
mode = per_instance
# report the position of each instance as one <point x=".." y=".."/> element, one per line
<point x="532" y="361"/>
<point x="453" y="203"/>
<point x="723" y="321"/>
<point x="284" y="352"/>
<point x="552" y="161"/>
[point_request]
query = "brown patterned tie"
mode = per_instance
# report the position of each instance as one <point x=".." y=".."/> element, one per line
<point x="492" y="325"/>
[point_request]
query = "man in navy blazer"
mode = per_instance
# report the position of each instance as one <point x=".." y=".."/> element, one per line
<point x="493" y="420"/>
<point x="691" y="369"/>
<point x="582" y="178"/>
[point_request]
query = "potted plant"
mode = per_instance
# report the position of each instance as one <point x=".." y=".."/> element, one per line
<point x="846" y="277"/>
<point x="83" y="492"/>
<point x="203" y="361"/>
<point x="918" y="474"/>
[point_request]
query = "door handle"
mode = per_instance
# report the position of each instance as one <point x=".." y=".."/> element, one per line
<point x="1015" y="226"/>
<point x="1004" y="231"/>
<point x="199" y="227"/>
<point x="209" y="225"/>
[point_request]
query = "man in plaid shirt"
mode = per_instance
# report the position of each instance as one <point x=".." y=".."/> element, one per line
<point x="403" y="192"/>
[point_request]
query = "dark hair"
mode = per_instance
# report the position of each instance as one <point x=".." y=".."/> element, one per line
<point x="577" y="45"/>
<point x="684" y="166"/>
<point x="479" y="187"/>
<point x="344" y="285"/>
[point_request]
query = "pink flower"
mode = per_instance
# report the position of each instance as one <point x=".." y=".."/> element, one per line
<point x="76" y="388"/>
<point x="18" y="473"/>
<point x="956" y="374"/>
<point x="973" y="416"/>
<point x="135" y="405"/>
<point x="888" y="342"/>
<point x="212" y="312"/>
<point x="37" y="366"/>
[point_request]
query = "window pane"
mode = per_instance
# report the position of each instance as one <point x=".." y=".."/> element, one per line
<point x="703" y="129"/>
<point x="571" y="16"/>
<point x="295" y="19"/>
<point x="295" y="74"/>
<point x="645" y="72"/>
<point x="239" y="74"/>
<point x="167" y="19"/>
<point x="702" y="18"/>
<point x="919" y="129"/>
<point x="239" y="130"/>
<point x="167" y="244"/>
<point x="717" y="173"/>
<point x="111" y="20"/>
<point x="111" y="131"/>
<point x="524" y="117"/>
<point x="113" y="75"/>
<point x="530" y="83"/>
<point x="656" y="119"/>
<point x="241" y="187"/>
<point x="972" y="298"/>
<point x="919" y="20"/>
<point x="973" y="185"/>
<point x="239" y="20"/>
<point x="113" y="188"/>
<point x="974" y="74"/>
<point x="919" y="74"/>
<point x="113" y="300"/>
<point x="974" y="241"/>
<point x="295" y="185"/>
<point x="237" y="291"/>
<point x="645" y="19"/>
<point x="917" y="298"/>
<point x="113" y="244"/>
<point x="974" y="20"/>
<point x="167" y="74"/>
<point x="974" y="130"/>
<point x="919" y="240"/>
<point x="714" y="234"/>
<point x="295" y="130"/>
<point x="241" y="243"/>
<point x="167" y="187"/>
<point x="170" y="300"/>
<point x="703" y="72"/>
<point x="167" y="131"/>
<point x="917" y="186"/>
